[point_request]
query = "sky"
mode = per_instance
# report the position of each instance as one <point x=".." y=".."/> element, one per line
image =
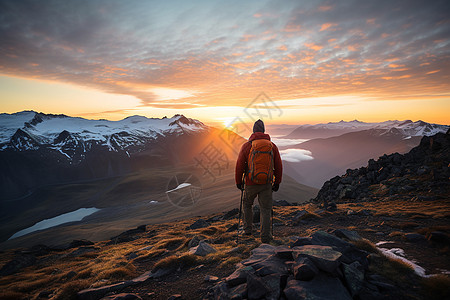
<point x="307" y="61"/>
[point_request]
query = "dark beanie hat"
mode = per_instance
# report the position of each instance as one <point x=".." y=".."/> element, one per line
<point x="258" y="126"/>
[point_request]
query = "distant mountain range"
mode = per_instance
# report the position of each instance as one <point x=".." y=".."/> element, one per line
<point x="407" y="128"/>
<point x="336" y="147"/>
<point x="73" y="137"/>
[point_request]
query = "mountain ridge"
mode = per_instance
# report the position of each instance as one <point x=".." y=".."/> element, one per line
<point x="325" y="130"/>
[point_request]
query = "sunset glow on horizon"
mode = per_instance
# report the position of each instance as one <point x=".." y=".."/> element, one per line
<point x="318" y="61"/>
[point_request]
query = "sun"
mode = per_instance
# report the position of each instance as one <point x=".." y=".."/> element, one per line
<point x="228" y="121"/>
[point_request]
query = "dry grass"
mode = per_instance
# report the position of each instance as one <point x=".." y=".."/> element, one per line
<point x="11" y="295"/>
<point x="396" y="233"/>
<point x="230" y="261"/>
<point x="366" y="245"/>
<point x="436" y="287"/>
<point x="174" y="261"/>
<point x="396" y="270"/>
<point x="121" y="273"/>
<point x="69" y="290"/>
<point x="171" y="243"/>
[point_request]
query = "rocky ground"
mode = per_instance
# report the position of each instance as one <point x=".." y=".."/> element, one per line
<point x="377" y="232"/>
<point x="173" y="263"/>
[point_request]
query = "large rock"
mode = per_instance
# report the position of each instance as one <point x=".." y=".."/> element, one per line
<point x="274" y="283"/>
<point x="128" y="236"/>
<point x="256" y="287"/>
<point x="326" y="239"/>
<point x="200" y="223"/>
<point x="322" y="287"/>
<point x="299" y="241"/>
<point x="348" y="234"/>
<point x="324" y="257"/>
<point x="305" y="269"/>
<point x="239" y="276"/>
<point x="230" y="214"/>
<point x="354" y="277"/>
<point x="202" y="249"/>
<point x="271" y="265"/>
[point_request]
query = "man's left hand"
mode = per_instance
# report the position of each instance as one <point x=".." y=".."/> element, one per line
<point x="275" y="187"/>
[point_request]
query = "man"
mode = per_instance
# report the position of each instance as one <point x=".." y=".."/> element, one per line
<point x="260" y="162"/>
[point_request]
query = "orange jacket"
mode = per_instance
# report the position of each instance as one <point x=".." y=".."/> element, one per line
<point x="242" y="161"/>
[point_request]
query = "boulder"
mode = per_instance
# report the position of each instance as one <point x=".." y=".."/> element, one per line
<point x="230" y="214"/>
<point x="127" y="236"/>
<point x="200" y="223"/>
<point x="239" y="276"/>
<point x="299" y="241"/>
<point x="304" y="269"/>
<point x="321" y="287"/>
<point x="264" y="250"/>
<point x="354" y="277"/>
<point x="194" y="242"/>
<point x="326" y="239"/>
<point x="202" y="249"/>
<point x="271" y="265"/>
<point x="274" y="283"/>
<point x="348" y="234"/>
<point x="300" y="215"/>
<point x="256" y="288"/>
<point x="324" y="257"/>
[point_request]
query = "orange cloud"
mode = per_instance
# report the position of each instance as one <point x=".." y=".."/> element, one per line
<point x="326" y="26"/>
<point x="313" y="46"/>
<point x="282" y="48"/>
<point x="432" y="72"/>
<point x="395" y="66"/>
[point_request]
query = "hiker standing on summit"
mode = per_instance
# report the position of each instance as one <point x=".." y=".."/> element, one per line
<point x="260" y="162"/>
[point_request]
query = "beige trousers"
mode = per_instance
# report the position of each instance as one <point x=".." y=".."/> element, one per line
<point x="264" y="193"/>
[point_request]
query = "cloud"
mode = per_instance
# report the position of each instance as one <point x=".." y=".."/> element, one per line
<point x="289" y="50"/>
<point x="296" y="155"/>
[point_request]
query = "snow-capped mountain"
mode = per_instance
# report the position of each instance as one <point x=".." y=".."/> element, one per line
<point x="73" y="137"/>
<point x="38" y="149"/>
<point x="406" y="128"/>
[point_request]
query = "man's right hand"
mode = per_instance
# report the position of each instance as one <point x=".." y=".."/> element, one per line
<point x="240" y="186"/>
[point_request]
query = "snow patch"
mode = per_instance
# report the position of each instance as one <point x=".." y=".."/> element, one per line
<point x="180" y="186"/>
<point x="398" y="253"/>
<point x="73" y="216"/>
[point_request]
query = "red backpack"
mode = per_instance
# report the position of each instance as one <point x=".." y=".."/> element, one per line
<point x="260" y="162"/>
